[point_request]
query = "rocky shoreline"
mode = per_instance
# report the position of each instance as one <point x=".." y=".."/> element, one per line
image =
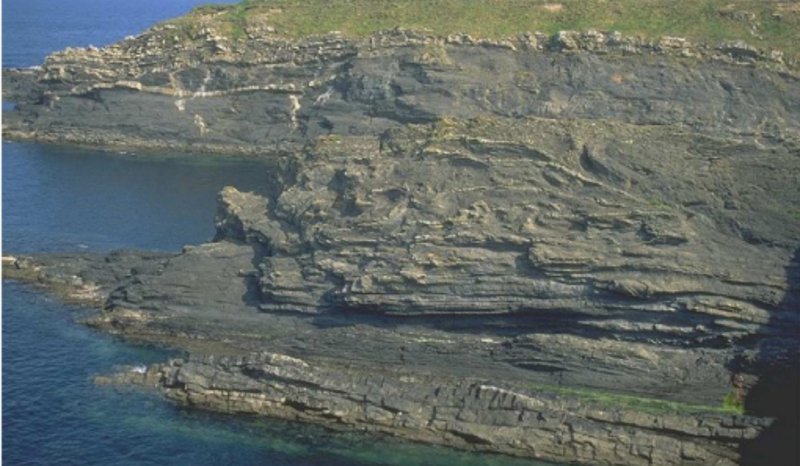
<point x="284" y="318"/>
<point x="497" y="412"/>
<point x="462" y="413"/>
<point x="571" y="248"/>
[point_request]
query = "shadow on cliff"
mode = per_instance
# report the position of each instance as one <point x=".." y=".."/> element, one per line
<point x="777" y="390"/>
<point x="252" y="296"/>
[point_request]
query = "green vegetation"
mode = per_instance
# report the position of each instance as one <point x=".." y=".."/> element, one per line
<point x="210" y="8"/>
<point x="733" y="403"/>
<point x="230" y="19"/>
<point x="237" y="17"/>
<point x="658" y="203"/>
<point x="638" y="403"/>
<point x="774" y="24"/>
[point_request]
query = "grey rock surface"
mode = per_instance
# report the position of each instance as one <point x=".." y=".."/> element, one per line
<point x="197" y="90"/>
<point x="592" y="263"/>
<point x="470" y="413"/>
<point x="569" y="247"/>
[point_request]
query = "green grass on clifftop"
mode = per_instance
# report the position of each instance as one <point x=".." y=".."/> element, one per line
<point x="765" y="23"/>
<point x="600" y="398"/>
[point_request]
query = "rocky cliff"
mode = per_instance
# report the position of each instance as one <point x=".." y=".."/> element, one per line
<point x="569" y="247"/>
<point x="190" y="86"/>
<point x="571" y="290"/>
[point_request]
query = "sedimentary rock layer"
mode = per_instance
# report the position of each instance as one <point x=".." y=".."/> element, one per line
<point x="191" y="87"/>
<point x="469" y="413"/>
<point x="531" y="256"/>
<point x="570" y="247"/>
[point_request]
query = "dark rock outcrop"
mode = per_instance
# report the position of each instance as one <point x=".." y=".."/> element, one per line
<point x="470" y="413"/>
<point x="587" y="267"/>
<point x="560" y="247"/>
<point x="192" y="88"/>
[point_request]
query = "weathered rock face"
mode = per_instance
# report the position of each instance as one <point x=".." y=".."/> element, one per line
<point x="514" y="255"/>
<point x="460" y="234"/>
<point x="467" y="412"/>
<point x="190" y="87"/>
<point x="493" y="216"/>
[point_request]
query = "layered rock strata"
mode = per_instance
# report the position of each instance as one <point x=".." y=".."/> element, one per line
<point x="188" y="86"/>
<point x="530" y="256"/>
<point x="571" y="248"/>
<point x="470" y="413"/>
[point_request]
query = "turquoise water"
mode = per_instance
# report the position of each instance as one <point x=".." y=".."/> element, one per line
<point x="66" y="199"/>
<point x="62" y="199"/>
<point x="54" y="415"/>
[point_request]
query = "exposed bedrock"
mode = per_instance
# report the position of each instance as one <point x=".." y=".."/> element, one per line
<point x="597" y="263"/>
<point x="195" y="89"/>
<point x="467" y="412"/>
<point x="571" y="248"/>
<point x="688" y="234"/>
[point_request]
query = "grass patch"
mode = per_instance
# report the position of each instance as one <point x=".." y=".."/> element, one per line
<point x="209" y="8"/>
<point x="733" y="404"/>
<point x="765" y="24"/>
<point x="658" y="203"/>
<point x="639" y="403"/>
<point x="235" y="18"/>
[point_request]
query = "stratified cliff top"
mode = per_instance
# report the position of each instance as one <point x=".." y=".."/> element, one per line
<point x="763" y="23"/>
<point x="474" y="194"/>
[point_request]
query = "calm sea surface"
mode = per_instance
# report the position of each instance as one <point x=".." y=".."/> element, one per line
<point x="66" y="199"/>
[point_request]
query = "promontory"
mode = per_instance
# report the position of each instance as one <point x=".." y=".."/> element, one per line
<point x="559" y="230"/>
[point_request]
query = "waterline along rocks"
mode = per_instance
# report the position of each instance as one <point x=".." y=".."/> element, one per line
<point x="530" y="256"/>
<point x="465" y="412"/>
<point x="579" y="247"/>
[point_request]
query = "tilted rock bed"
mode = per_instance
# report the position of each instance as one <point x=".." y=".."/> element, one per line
<point x="571" y="248"/>
<point x="500" y="262"/>
<point x="195" y="89"/>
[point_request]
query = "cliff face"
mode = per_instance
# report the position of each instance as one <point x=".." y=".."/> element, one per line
<point x="191" y="87"/>
<point x="570" y="290"/>
<point x="521" y="246"/>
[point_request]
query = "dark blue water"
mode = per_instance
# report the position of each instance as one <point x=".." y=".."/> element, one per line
<point x="62" y="199"/>
<point x="54" y="415"/>
<point x="59" y="198"/>
<point x="32" y="29"/>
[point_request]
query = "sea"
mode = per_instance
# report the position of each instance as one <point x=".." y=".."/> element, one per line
<point x="59" y="198"/>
